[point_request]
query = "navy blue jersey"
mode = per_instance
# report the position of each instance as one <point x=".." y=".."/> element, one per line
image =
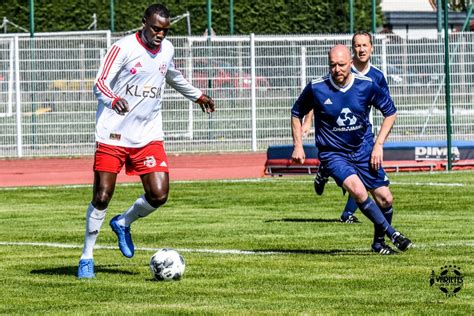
<point x="375" y="74"/>
<point x="341" y="114"/>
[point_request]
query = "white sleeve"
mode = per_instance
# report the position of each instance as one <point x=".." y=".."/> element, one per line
<point x="108" y="70"/>
<point x="176" y="80"/>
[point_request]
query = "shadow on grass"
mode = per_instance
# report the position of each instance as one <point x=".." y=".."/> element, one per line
<point x="72" y="270"/>
<point x="316" y="251"/>
<point x="300" y="220"/>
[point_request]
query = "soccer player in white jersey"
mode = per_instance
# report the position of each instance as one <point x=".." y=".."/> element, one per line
<point x="129" y="88"/>
<point x="341" y="102"/>
<point x="362" y="49"/>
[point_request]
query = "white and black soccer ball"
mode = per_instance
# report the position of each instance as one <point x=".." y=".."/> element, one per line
<point x="167" y="265"/>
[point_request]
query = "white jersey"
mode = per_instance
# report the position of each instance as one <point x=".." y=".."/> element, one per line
<point x="137" y="74"/>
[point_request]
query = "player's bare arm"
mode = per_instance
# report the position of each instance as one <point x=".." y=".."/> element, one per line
<point x="376" y="158"/>
<point x="206" y="103"/>
<point x="306" y="128"/>
<point x="120" y="106"/>
<point x="298" y="155"/>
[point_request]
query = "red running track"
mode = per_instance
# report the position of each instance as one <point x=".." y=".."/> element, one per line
<point x="70" y="171"/>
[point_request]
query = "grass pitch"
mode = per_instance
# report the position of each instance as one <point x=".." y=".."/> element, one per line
<point x="269" y="246"/>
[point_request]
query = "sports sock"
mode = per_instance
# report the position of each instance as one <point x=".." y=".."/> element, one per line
<point x="94" y="220"/>
<point x="140" y="208"/>
<point x="373" y="212"/>
<point x="379" y="234"/>
<point x="350" y="208"/>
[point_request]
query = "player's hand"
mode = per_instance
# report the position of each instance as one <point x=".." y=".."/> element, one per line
<point x="298" y="155"/>
<point x="376" y="158"/>
<point x="206" y="103"/>
<point x="305" y="130"/>
<point x="120" y="106"/>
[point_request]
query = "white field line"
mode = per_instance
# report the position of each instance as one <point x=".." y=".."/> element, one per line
<point x="220" y="251"/>
<point x="262" y="180"/>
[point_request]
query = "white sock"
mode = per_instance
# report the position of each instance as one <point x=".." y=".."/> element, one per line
<point x="140" y="208"/>
<point x="94" y="220"/>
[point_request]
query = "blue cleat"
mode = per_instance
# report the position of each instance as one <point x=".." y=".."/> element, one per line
<point x="124" y="237"/>
<point x="86" y="269"/>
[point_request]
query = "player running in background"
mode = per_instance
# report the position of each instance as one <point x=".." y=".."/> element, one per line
<point x="129" y="131"/>
<point x="341" y="102"/>
<point x="362" y="49"/>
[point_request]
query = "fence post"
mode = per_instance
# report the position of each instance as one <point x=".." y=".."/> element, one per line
<point x="19" y="134"/>
<point x="303" y="67"/>
<point x="253" y="92"/>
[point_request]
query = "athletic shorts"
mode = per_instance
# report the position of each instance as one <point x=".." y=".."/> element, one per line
<point x="341" y="165"/>
<point x="138" y="161"/>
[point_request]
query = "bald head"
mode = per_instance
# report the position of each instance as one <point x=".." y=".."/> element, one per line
<point x="340" y="62"/>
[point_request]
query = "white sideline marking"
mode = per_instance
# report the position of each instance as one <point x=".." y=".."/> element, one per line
<point x="256" y="180"/>
<point x="218" y="251"/>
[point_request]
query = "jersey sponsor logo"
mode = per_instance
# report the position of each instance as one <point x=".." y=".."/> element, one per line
<point x="149" y="162"/>
<point x="436" y="153"/>
<point x="146" y="92"/>
<point x="163" y="69"/>
<point x="346" y="121"/>
<point x="328" y="101"/>
<point x="138" y="65"/>
<point x="163" y="164"/>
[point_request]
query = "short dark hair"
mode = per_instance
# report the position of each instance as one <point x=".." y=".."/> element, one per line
<point x="361" y="33"/>
<point x="156" y="8"/>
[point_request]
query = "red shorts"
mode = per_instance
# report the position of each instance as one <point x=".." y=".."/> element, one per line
<point x="138" y="161"/>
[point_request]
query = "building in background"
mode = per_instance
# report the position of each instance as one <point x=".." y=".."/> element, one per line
<point x="416" y="18"/>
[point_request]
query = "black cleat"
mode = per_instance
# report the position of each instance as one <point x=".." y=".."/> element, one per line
<point x="401" y="242"/>
<point x="352" y="219"/>
<point x="319" y="183"/>
<point x="383" y="249"/>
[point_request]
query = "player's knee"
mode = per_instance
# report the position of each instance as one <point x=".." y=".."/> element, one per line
<point x="386" y="201"/>
<point x="156" y="199"/>
<point x="101" y="200"/>
<point x="360" y="195"/>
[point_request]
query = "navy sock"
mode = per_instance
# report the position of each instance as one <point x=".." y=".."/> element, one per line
<point x="373" y="212"/>
<point x="351" y="208"/>
<point x="379" y="234"/>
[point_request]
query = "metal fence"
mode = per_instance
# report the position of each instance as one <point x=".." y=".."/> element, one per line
<point x="47" y="107"/>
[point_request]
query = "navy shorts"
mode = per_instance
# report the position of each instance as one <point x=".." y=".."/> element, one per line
<point x="341" y="165"/>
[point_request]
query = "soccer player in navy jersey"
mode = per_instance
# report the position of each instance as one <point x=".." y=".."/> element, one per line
<point x="341" y="102"/>
<point x="362" y="49"/>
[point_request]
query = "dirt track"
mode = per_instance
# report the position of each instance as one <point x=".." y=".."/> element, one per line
<point x="54" y="171"/>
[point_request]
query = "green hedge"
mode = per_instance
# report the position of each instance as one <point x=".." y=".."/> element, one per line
<point x="265" y="17"/>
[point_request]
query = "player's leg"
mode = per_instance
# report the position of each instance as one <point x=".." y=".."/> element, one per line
<point x="384" y="198"/>
<point x="344" y="171"/>
<point x="358" y="191"/>
<point x="150" y="162"/>
<point x="108" y="161"/>
<point x="320" y="180"/>
<point x="104" y="185"/>
<point x="156" y="186"/>
<point x="347" y="215"/>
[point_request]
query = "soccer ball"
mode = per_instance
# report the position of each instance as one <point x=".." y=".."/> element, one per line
<point x="167" y="265"/>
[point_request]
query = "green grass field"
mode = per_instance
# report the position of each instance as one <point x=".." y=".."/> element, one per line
<point x="268" y="246"/>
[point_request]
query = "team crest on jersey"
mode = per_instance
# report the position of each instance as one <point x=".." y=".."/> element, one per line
<point x="346" y="118"/>
<point x="150" y="161"/>
<point x="133" y="71"/>
<point x="163" y="69"/>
